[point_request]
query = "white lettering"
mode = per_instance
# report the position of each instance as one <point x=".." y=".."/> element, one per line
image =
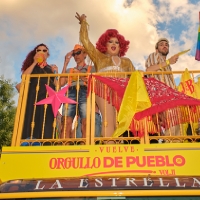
<point x="57" y="183"/>
<point x="195" y="181"/>
<point x="38" y="184"/>
<point x="162" y="184"/>
<point x="130" y="180"/>
<point x="84" y="183"/>
<point x="148" y="182"/>
<point x="113" y="181"/>
<point x="178" y="184"/>
<point x="99" y="181"/>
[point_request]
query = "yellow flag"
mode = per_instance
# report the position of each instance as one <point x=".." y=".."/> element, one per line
<point x="135" y="99"/>
<point x="187" y="85"/>
<point x="197" y="88"/>
<point x="192" y="89"/>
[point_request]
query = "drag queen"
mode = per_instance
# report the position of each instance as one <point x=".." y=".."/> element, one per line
<point x="107" y="57"/>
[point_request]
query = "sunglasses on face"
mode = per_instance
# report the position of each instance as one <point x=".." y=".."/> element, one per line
<point x="44" y="50"/>
<point x="77" y="53"/>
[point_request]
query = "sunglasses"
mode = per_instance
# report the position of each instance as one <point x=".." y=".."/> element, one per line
<point x="44" y="50"/>
<point x="77" y="53"/>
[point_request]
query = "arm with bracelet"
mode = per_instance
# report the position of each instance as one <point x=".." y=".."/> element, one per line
<point x="164" y="64"/>
<point x="174" y="58"/>
<point x="155" y="62"/>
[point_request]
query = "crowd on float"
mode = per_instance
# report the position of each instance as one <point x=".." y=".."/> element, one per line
<point x="106" y="56"/>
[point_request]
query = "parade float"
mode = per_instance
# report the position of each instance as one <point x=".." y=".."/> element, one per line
<point x="139" y="161"/>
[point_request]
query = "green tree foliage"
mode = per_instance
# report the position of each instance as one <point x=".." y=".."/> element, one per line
<point x="7" y="111"/>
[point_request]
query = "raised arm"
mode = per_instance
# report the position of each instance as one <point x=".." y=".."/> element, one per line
<point x="155" y="63"/>
<point x="63" y="80"/>
<point x="93" y="53"/>
<point x="32" y="66"/>
<point x="28" y="71"/>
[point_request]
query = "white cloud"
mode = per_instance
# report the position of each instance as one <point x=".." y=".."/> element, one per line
<point x="26" y="23"/>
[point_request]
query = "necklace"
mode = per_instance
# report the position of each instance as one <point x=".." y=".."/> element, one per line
<point x="77" y="67"/>
<point x="119" y="61"/>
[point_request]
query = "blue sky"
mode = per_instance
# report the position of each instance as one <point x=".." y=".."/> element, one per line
<point x="26" y="23"/>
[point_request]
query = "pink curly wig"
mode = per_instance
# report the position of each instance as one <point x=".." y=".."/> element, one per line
<point x="30" y="57"/>
<point x="105" y="37"/>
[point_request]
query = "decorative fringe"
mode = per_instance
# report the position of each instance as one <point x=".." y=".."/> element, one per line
<point x="112" y="90"/>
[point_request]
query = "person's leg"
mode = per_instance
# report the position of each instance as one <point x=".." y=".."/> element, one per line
<point x="82" y="109"/>
<point x="68" y="115"/>
<point x="82" y="112"/>
<point x="58" y="125"/>
<point x="108" y="117"/>
<point x="66" y="127"/>
<point x="97" y="125"/>
<point x="98" y="121"/>
<point x="83" y="127"/>
<point x="78" y="129"/>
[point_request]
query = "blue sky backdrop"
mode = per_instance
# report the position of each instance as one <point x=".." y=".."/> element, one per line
<point x="26" y="23"/>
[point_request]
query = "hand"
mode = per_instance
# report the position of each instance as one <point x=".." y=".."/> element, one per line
<point x="68" y="56"/>
<point x="36" y="57"/>
<point x="173" y="59"/>
<point x="76" y="71"/>
<point x="84" y="78"/>
<point x="54" y="69"/>
<point x="80" y="18"/>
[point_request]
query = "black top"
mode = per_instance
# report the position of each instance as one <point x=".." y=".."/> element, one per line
<point x="39" y="109"/>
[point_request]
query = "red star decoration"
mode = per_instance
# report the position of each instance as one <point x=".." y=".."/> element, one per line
<point x="56" y="98"/>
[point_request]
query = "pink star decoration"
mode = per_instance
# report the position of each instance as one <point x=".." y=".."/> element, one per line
<point x="56" y="98"/>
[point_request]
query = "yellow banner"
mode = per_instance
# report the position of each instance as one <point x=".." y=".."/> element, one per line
<point x="187" y="85"/>
<point x="99" y="160"/>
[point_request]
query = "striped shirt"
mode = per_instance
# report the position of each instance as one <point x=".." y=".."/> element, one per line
<point x="156" y="58"/>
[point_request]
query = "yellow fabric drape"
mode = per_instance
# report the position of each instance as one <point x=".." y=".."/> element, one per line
<point x="192" y="89"/>
<point x="135" y="99"/>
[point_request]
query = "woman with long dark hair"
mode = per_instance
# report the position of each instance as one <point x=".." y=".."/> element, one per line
<point x="38" y="121"/>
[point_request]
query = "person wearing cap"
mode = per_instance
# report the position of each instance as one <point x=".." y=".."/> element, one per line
<point x="158" y="61"/>
<point x="79" y="55"/>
